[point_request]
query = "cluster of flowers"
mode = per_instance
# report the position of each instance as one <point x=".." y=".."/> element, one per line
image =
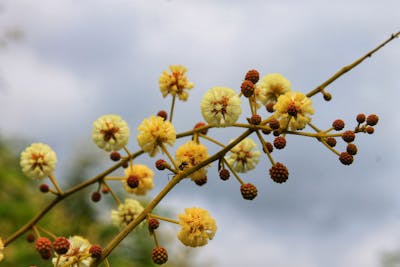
<point x="221" y="107"/>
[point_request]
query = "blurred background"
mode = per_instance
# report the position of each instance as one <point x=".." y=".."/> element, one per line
<point x="65" y="63"/>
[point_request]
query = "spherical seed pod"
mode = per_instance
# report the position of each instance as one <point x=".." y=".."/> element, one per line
<point x="44" y="188"/>
<point x="201" y="181"/>
<point x="327" y="96"/>
<point x="348" y="136"/>
<point x="360" y="118"/>
<point x="276" y="133"/>
<point x="279" y="173"/>
<point x="269" y="146"/>
<point x="345" y="158"/>
<point x="161" y="164"/>
<point x="331" y="141"/>
<point x="255" y="119"/>
<point x="279" y="142"/>
<point x="338" y="125"/>
<point x="248" y="191"/>
<point x="372" y="120"/>
<point x="253" y="76"/>
<point x="247" y="88"/>
<point x="95" y="251"/>
<point x="125" y="165"/>
<point x="115" y="156"/>
<point x="30" y="238"/>
<point x="270" y="107"/>
<point x="153" y="224"/>
<point x="224" y="174"/>
<point x="43" y="245"/>
<point x="159" y="255"/>
<point x="274" y="124"/>
<point x="132" y="181"/>
<point x="199" y="125"/>
<point x="61" y="245"/>
<point x="369" y="130"/>
<point x="163" y="114"/>
<point x="351" y="149"/>
<point x="96" y="196"/>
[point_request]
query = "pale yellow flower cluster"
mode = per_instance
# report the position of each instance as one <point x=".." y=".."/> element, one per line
<point x="126" y="212"/>
<point x="192" y="154"/>
<point x="110" y="132"/>
<point x="1" y="249"/>
<point x="145" y="176"/>
<point x="38" y="161"/>
<point x="78" y="254"/>
<point x="221" y="106"/>
<point x="293" y="109"/>
<point x="270" y="87"/>
<point x="153" y="132"/>
<point x="197" y="227"/>
<point x="244" y="156"/>
<point x="175" y="82"/>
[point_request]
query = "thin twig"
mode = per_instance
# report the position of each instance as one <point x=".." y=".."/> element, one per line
<point x="349" y="67"/>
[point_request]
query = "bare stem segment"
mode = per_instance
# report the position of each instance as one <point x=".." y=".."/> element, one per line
<point x="347" y="68"/>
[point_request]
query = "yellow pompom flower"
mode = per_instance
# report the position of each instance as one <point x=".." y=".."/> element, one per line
<point x="175" y="82"/>
<point x="153" y="132"/>
<point x="244" y="156"/>
<point x="126" y="212"/>
<point x="77" y="255"/>
<point x="1" y="249"/>
<point x="293" y="109"/>
<point x="38" y="161"/>
<point x="191" y="154"/>
<point x="197" y="227"/>
<point x="221" y="106"/>
<point x="110" y="132"/>
<point x="145" y="176"/>
<point x="270" y="87"/>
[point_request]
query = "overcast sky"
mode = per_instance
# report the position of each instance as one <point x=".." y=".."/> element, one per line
<point x="82" y="59"/>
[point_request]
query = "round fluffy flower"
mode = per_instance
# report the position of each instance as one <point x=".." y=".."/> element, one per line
<point x="270" y="87"/>
<point x="38" y="161"/>
<point x="110" y="132"/>
<point x="244" y="156"/>
<point x="77" y="255"/>
<point x="220" y="106"/>
<point x="189" y="155"/>
<point x="126" y="212"/>
<point x="1" y="249"/>
<point x="175" y="82"/>
<point x="293" y="109"/>
<point x="153" y="132"/>
<point x="197" y="227"/>
<point x="145" y="176"/>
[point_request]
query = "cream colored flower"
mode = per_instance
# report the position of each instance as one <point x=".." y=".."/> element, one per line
<point x="191" y="154"/>
<point x="220" y="106"/>
<point x="270" y="87"/>
<point x="78" y="254"/>
<point x="197" y="227"/>
<point x="145" y="176"/>
<point x="126" y="212"/>
<point x="38" y="161"/>
<point x="1" y="249"/>
<point x="293" y="109"/>
<point x="175" y="83"/>
<point x="153" y="132"/>
<point x="244" y="156"/>
<point x="110" y="132"/>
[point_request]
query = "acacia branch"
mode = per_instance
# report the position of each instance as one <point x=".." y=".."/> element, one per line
<point x="347" y="68"/>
